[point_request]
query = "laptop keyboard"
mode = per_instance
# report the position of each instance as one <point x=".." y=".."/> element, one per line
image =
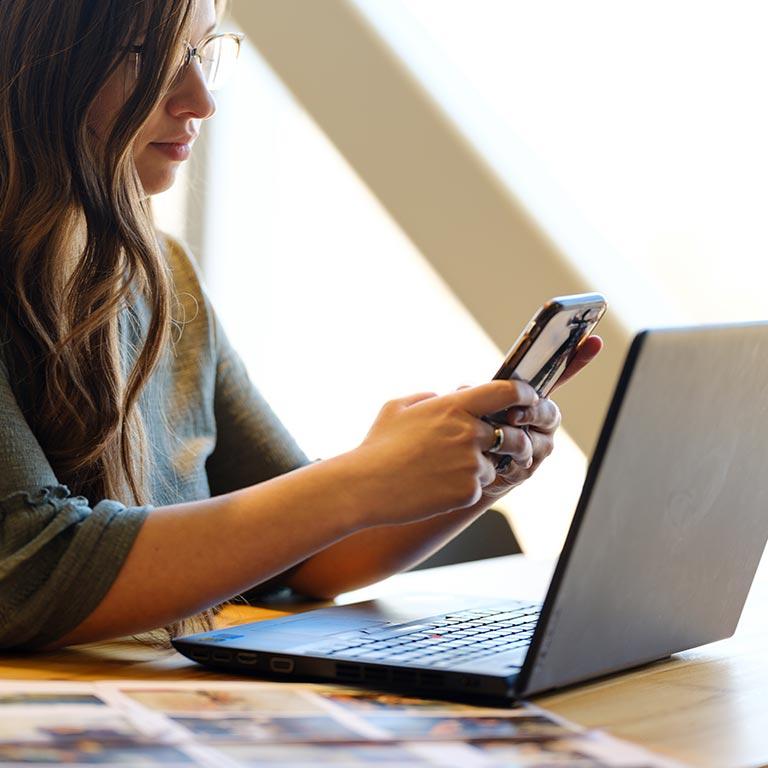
<point x="440" y="641"/>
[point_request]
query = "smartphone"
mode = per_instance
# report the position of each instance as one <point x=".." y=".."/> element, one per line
<point x="549" y="342"/>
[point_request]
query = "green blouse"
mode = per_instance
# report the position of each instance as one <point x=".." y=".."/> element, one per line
<point x="209" y="432"/>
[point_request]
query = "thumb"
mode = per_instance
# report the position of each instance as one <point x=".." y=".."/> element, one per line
<point x="588" y="350"/>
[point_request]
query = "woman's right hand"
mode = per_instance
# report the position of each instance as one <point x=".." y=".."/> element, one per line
<point x="425" y="453"/>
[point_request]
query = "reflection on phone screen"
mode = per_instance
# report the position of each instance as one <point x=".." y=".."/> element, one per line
<point x="551" y="352"/>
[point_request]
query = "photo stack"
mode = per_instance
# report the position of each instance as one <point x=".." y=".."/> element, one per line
<point x="226" y="725"/>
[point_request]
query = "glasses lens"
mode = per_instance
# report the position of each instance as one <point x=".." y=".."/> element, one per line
<point x="217" y="60"/>
<point x="181" y="68"/>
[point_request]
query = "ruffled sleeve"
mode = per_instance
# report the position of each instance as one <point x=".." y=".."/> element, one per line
<point x="58" y="554"/>
<point x="58" y="558"/>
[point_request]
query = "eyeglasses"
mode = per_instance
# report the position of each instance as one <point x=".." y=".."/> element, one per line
<point x="216" y="55"/>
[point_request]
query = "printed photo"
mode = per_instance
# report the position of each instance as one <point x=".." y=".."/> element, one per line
<point x="255" y="700"/>
<point x="312" y="755"/>
<point x="372" y="701"/>
<point x="92" y="753"/>
<point x="55" y="727"/>
<point x="267" y="729"/>
<point x="22" y="699"/>
<point x="594" y="749"/>
<point x="549" y="754"/>
<point x="461" y="727"/>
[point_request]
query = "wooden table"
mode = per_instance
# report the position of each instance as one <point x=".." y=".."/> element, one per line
<point x="706" y="707"/>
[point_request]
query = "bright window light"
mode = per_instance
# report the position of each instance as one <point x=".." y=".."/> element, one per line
<point x="634" y="133"/>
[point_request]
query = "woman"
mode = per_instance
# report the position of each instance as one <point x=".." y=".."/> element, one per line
<point x="142" y="478"/>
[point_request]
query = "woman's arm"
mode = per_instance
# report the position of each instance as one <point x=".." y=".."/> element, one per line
<point x="422" y="458"/>
<point x="190" y="556"/>
<point x="374" y="554"/>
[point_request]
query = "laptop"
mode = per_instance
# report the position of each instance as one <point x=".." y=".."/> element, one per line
<point x="662" y="550"/>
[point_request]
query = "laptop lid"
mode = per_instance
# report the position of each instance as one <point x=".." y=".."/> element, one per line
<point x="673" y="517"/>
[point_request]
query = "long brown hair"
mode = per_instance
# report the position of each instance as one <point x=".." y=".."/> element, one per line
<point x="55" y="177"/>
<point x="57" y="181"/>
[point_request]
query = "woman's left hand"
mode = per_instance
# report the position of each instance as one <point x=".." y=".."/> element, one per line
<point x="531" y="430"/>
<point x="530" y="435"/>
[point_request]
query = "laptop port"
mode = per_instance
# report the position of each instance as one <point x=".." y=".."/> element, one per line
<point x="246" y="657"/>
<point x="198" y="654"/>
<point x="348" y="671"/>
<point x="432" y="679"/>
<point x="219" y="655"/>
<point x="404" y="676"/>
<point x="284" y="666"/>
<point x="377" y="674"/>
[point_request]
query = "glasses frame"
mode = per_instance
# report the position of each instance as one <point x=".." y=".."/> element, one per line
<point x="191" y="52"/>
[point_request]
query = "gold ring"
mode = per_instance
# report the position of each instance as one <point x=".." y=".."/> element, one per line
<point x="498" y="434"/>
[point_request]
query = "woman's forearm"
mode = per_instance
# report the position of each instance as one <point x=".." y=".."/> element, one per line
<point x="373" y="554"/>
<point x="423" y="457"/>
<point x="188" y="557"/>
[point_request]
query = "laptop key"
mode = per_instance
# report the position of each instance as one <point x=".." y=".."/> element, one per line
<point x="464" y="635"/>
<point x="390" y="632"/>
<point x="398" y="657"/>
<point x="353" y="653"/>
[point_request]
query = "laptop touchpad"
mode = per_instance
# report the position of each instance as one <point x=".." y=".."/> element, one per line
<point x="310" y="629"/>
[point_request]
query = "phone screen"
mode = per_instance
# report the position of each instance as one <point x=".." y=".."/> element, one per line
<point x="544" y="350"/>
<point x="549" y="354"/>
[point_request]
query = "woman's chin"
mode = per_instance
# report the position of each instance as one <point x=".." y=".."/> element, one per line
<point x="158" y="180"/>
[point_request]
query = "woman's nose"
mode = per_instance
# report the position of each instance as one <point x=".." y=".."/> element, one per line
<point x="191" y="95"/>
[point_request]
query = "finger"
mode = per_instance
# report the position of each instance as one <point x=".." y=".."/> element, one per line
<point x="543" y="416"/>
<point x="408" y="400"/>
<point x="510" y="471"/>
<point x="587" y="352"/>
<point x="397" y="405"/>
<point x="494" y="396"/>
<point x="516" y="443"/>
<point x="487" y="471"/>
<point x="542" y="445"/>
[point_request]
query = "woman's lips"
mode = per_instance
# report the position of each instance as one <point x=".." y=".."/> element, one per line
<point x="176" y="152"/>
